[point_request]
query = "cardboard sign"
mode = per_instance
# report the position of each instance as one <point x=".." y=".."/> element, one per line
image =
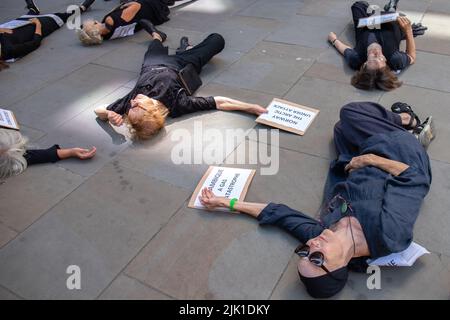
<point x="377" y="20"/>
<point x="404" y="258"/>
<point x="288" y="116"/>
<point x="8" y="120"/>
<point x="223" y="182"/>
<point x="14" y="24"/>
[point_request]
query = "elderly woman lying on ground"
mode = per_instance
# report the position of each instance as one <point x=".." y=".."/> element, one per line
<point x="377" y="52"/>
<point x="125" y="20"/>
<point x="372" y="196"/>
<point x="159" y="92"/>
<point x="15" y="157"/>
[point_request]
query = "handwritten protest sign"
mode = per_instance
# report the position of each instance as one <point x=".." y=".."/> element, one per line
<point x="224" y="182"/>
<point x="288" y="116"/>
<point x="8" y="120"/>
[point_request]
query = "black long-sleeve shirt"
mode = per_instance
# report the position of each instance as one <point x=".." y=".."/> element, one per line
<point x="19" y="43"/>
<point x="163" y="84"/>
<point x="36" y="156"/>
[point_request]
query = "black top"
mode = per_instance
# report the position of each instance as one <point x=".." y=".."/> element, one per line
<point x="389" y="37"/>
<point x="386" y="206"/>
<point x="156" y="11"/>
<point x="42" y="155"/>
<point x="162" y="83"/>
<point x="21" y="42"/>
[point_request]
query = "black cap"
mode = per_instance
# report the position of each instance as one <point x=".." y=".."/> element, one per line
<point x="326" y="285"/>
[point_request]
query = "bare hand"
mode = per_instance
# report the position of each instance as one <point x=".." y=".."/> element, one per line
<point x="209" y="199"/>
<point x="359" y="162"/>
<point x="83" y="154"/>
<point x="115" y="118"/>
<point x="332" y="36"/>
<point x="257" y="109"/>
<point x="35" y="21"/>
<point x="404" y="24"/>
<point x="3" y="30"/>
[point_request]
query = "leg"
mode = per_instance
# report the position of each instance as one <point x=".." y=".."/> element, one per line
<point x="203" y="52"/>
<point x="156" y="54"/>
<point x="361" y="120"/>
<point x="342" y="145"/>
<point x="359" y="10"/>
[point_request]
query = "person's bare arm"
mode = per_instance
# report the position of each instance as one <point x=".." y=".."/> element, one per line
<point x="338" y="44"/>
<point x="211" y="202"/>
<point x="393" y="167"/>
<point x="405" y="25"/>
<point x="79" y="153"/>
<point x="228" y="104"/>
<point x="130" y="11"/>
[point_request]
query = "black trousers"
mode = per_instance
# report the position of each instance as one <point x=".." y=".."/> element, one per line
<point x="198" y="56"/>
<point x="361" y="120"/>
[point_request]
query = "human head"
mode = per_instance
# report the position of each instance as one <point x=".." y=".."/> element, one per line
<point x="383" y="79"/>
<point x="146" y="117"/>
<point x="375" y="58"/>
<point x="91" y="33"/>
<point x="12" y="149"/>
<point x="318" y="282"/>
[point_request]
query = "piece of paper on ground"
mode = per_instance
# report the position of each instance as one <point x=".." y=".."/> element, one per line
<point x="8" y="120"/>
<point x="288" y="116"/>
<point x="224" y="182"/>
<point x="405" y="258"/>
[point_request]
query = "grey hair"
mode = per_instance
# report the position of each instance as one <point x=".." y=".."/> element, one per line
<point x="89" y="35"/>
<point x="12" y="149"/>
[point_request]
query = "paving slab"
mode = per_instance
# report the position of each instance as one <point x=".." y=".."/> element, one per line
<point x="426" y="279"/>
<point x="25" y="198"/>
<point x="7" y="295"/>
<point x="270" y="67"/>
<point x="279" y="10"/>
<point x="126" y="288"/>
<point x="6" y="235"/>
<point x="122" y="210"/>
<point x="128" y="56"/>
<point x="426" y="102"/>
<point x="436" y="37"/>
<point x="328" y="97"/>
<point x="314" y="32"/>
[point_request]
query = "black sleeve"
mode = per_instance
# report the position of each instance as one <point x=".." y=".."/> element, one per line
<point x="22" y="49"/>
<point x="296" y="223"/>
<point x="352" y="58"/>
<point x="187" y="104"/>
<point x="121" y="106"/>
<point x="399" y="61"/>
<point x="42" y="155"/>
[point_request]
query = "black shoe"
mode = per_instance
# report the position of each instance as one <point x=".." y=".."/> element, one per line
<point x="86" y="4"/>
<point x="401" y="107"/>
<point x="391" y="6"/>
<point x="184" y="43"/>
<point x="418" y="29"/>
<point x="150" y="28"/>
<point x="32" y="7"/>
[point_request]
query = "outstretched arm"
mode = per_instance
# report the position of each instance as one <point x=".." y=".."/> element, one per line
<point x="393" y="167"/>
<point x="228" y="104"/>
<point x="338" y="44"/>
<point x="405" y="25"/>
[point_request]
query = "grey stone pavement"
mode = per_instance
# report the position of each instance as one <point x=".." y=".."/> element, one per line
<point x="123" y="216"/>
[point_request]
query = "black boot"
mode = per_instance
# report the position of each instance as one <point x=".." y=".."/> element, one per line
<point x="86" y="4"/>
<point x="32" y="7"/>
<point x="184" y="43"/>
<point x="150" y="28"/>
<point x="391" y="6"/>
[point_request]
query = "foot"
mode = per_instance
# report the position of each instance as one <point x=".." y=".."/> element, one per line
<point x="391" y="6"/>
<point x="184" y="44"/>
<point x="101" y="113"/>
<point x="425" y="132"/>
<point x="404" y="109"/>
<point x="32" y="7"/>
<point x="86" y="4"/>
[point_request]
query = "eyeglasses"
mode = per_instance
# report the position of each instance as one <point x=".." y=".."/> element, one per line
<point x="316" y="258"/>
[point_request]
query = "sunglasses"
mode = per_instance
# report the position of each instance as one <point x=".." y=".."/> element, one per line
<point x="316" y="258"/>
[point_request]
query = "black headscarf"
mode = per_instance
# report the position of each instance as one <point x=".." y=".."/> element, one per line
<point x="326" y="285"/>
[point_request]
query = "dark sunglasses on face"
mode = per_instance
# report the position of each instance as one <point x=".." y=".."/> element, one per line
<point x="317" y="258"/>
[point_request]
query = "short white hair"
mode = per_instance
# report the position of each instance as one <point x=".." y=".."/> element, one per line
<point x="12" y="149"/>
<point x="90" y="33"/>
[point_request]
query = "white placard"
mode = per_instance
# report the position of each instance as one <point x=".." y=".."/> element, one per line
<point x="14" y="24"/>
<point x="405" y="258"/>
<point x="8" y="120"/>
<point x="224" y="182"/>
<point x="288" y="116"/>
<point x="377" y="20"/>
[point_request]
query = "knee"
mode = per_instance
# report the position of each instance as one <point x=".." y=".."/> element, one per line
<point x="218" y="40"/>
<point x="348" y="111"/>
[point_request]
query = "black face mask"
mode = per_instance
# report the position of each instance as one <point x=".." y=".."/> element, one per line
<point x="327" y="285"/>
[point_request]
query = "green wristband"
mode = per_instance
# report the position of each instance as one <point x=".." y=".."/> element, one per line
<point x="232" y="203"/>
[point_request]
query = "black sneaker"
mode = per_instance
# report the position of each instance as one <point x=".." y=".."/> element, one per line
<point x="391" y="6"/>
<point x="32" y="7"/>
<point x="86" y="4"/>
<point x="184" y="43"/>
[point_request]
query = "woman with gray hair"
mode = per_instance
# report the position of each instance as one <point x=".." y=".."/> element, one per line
<point x="15" y="157"/>
<point x="125" y="20"/>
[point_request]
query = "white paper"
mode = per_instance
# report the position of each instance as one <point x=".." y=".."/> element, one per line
<point x="124" y="31"/>
<point x="377" y="19"/>
<point x="289" y="116"/>
<point x="14" y="24"/>
<point x="225" y="182"/>
<point x="7" y="119"/>
<point x="405" y="258"/>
